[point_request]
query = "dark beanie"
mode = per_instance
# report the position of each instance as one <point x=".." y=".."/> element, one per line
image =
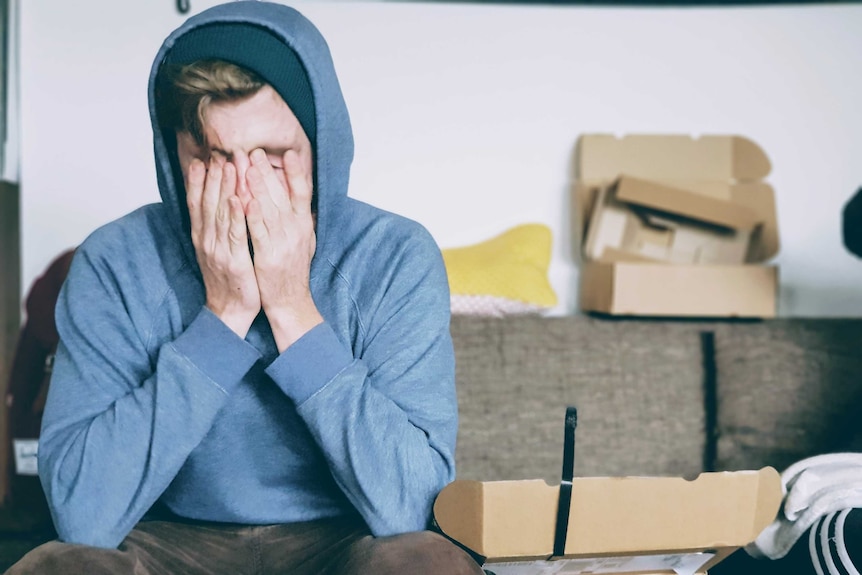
<point x="259" y="51"/>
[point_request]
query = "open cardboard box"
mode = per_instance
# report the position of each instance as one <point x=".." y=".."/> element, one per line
<point x="645" y="525"/>
<point x="675" y="226"/>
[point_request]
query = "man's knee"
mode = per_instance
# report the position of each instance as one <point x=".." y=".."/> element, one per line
<point x="56" y="558"/>
<point x="418" y="553"/>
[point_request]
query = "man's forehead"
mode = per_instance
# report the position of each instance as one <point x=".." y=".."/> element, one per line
<point x="262" y="120"/>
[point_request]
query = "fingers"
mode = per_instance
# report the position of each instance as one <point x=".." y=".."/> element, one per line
<point x="264" y="182"/>
<point x="209" y="204"/>
<point x="203" y="191"/>
<point x="298" y="182"/>
<point x="230" y="218"/>
<point x="278" y="196"/>
<point x="256" y="227"/>
<point x="216" y="212"/>
<point x="237" y="234"/>
<point x="267" y="187"/>
<point x="194" y="190"/>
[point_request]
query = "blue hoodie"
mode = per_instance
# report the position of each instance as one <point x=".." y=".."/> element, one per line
<point x="153" y="399"/>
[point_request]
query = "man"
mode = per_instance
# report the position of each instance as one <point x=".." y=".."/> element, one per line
<point x="256" y="374"/>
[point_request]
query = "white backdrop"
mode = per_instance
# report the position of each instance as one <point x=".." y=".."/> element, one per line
<point x="466" y="116"/>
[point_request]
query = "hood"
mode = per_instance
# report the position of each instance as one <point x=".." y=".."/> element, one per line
<point x="333" y="141"/>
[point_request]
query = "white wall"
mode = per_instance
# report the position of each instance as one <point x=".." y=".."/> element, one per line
<point x="466" y="116"/>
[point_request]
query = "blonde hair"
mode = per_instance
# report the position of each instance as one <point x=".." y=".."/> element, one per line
<point x="190" y="88"/>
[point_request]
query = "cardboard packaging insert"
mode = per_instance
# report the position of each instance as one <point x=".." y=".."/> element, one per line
<point x="675" y="226"/>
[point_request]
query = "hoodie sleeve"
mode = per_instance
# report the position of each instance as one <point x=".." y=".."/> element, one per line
<point x="120" y="419"/>
<point x="387" y="419"/>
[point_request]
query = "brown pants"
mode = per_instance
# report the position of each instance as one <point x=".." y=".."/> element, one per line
<point x="326" y="547"/>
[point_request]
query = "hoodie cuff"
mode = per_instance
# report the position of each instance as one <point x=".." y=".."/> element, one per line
<point x="214" y="349"/>
<point x="310" y="363"/>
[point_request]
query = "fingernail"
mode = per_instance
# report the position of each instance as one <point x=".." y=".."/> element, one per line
<point x="258" y="155"/>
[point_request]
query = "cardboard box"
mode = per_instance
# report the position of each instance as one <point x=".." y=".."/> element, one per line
<point x="640" y="220"/>
<point x="675" y="226"/>
<point x="616" y="524"/>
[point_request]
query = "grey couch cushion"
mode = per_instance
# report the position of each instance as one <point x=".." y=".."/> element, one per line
<point x="787" y="389"/>
<point x="638" y="386"/>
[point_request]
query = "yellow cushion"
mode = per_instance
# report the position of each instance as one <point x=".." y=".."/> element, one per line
<point x="506" y="274"/>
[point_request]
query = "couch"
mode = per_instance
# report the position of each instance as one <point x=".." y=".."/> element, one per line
<point x="655" y="397"/>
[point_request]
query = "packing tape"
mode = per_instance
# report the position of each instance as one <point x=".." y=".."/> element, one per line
<point x="565" y="501"/>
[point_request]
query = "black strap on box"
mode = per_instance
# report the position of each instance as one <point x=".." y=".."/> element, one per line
<point x="565" y="502"/>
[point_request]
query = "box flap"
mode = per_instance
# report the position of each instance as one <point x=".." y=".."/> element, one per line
<point x="760" y="197"/>
<point x="616" y="515"/>
<point x="671" y="157"/>
<point x="481" y="516"/>
<point x="462" y="510"/>
<point x="675" y="200"/>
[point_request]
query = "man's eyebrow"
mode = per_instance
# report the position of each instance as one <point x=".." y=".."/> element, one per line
<point x="221" y="152"/>
<point x="278" y="150"/>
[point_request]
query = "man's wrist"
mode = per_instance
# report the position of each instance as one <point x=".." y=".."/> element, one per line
<point x="239" y="321"/>
<point x="290" y="324"/>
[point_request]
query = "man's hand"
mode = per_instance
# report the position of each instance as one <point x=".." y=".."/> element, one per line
<point x="221" y="244"/>
<point x="282" y="232"/>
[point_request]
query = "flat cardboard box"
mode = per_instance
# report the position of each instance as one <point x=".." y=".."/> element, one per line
<point x="616" y="524"/>
<point x="675" y="226"/>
